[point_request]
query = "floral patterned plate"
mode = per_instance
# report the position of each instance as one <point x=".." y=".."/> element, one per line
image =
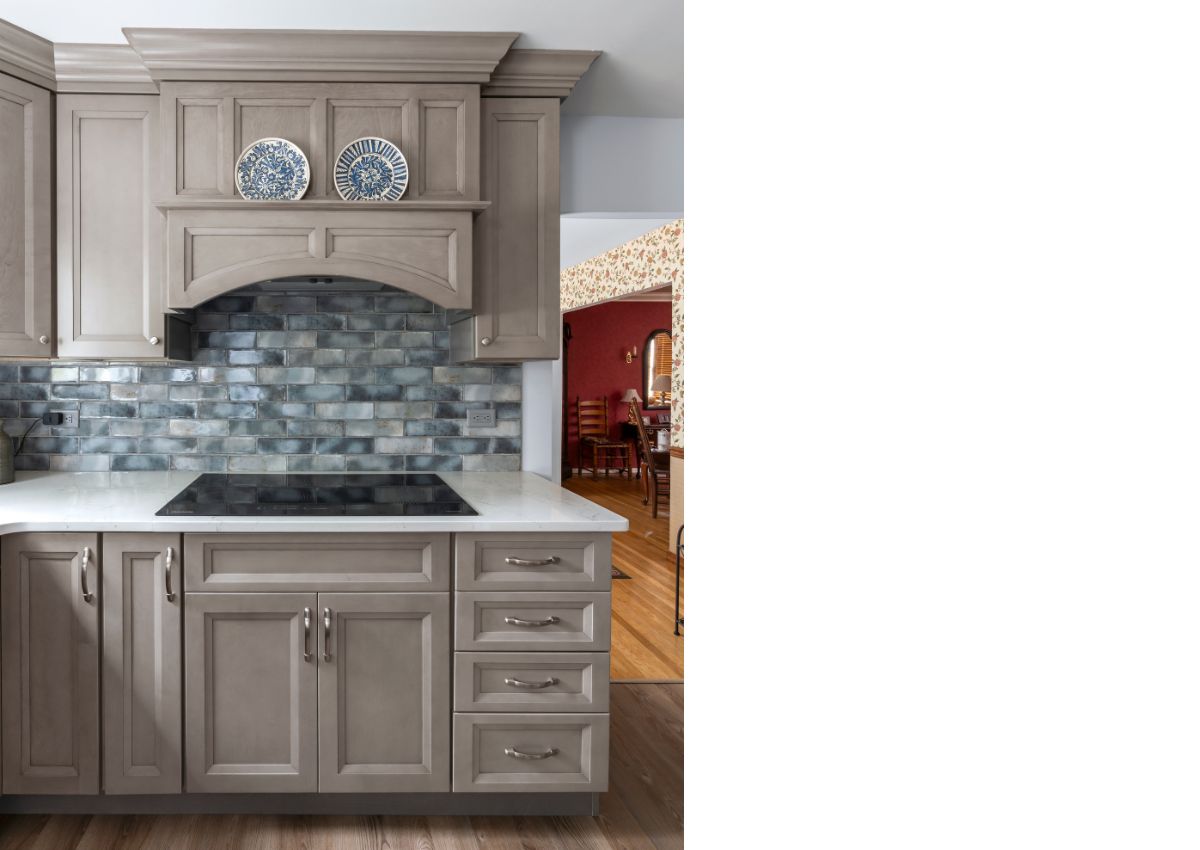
<point x="371" y="169"/>
<point x="272" y="170"/>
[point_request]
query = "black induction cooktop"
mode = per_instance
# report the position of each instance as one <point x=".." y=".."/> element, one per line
<point x="318" y="494"/>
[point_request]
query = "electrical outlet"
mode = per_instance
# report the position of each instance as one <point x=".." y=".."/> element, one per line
<point x="70" y="418"/>
<point x="481" y="418"/>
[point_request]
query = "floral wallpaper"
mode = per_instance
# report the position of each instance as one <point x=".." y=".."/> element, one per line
<point x="677" y="357"/>
<point x="651" y="260"/>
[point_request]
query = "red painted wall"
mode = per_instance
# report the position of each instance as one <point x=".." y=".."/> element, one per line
<point x="596" y="366"/>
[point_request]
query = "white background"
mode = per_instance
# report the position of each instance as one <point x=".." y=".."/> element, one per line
<point x="943" y="431"/>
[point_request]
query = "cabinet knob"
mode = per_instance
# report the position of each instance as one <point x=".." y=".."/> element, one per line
<point x="44" y="340"/>
<point x="154" y="340"/>
<point x="487" y="340"/>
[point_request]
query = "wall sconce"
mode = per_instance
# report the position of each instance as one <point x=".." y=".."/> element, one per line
<point x="629" y="355"/>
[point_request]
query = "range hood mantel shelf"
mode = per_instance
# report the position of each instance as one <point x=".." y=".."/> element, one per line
<point x="319" y="205"/>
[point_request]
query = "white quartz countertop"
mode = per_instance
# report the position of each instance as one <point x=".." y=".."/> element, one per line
<point x="127" y="501"/>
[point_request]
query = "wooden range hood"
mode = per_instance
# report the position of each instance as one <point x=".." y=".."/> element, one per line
<point x="219" y="90"/>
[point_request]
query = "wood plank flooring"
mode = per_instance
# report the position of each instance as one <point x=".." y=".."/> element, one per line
<point x="644" y="645"/>
<point x="642" y="810"/>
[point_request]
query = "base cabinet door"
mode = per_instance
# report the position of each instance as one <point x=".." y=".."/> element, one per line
<point x="384" y="692"/>
<point x="251" y="686"/>
<point x="142" y="673"/>
<point x="49" y="631"/>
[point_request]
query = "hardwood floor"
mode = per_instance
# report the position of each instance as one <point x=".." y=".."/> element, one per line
<point x="644" y="645"/>
<point x="642" y="809"/>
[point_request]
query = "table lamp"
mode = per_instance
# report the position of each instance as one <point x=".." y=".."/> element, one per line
<point x="660" y="385"/>
<point x="632" y="399"/>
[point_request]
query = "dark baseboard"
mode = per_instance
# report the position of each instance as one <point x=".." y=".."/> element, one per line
<point x="305" y="804"/>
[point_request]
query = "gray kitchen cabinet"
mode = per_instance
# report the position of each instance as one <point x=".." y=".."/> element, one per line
<point x="532" y="622"/>
<point x="542" y="561"/>
<point x="50" y="642"/>
<point x="251" y="685"/>
<point x="317" y="562"/>
<point x="531" y="681"/>
<point x="110" y="291"/>
<point x="25" y="234"/>
<point x="142" y="673"/>
<point x="516" y="312"/>
<point x="384" y="692"/>
<point x="262" y="667"/>
<point x="530" y="752"/>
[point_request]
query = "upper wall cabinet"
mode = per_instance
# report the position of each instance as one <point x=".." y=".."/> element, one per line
<point x="207" y="125"/>
<point x="109" y="233"/>
<point x="516" y="246"/>
<point x="25" y="277"/>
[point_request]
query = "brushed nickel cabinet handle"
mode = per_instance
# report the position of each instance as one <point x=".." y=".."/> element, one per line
<point x="517" y="621"/>
<point x="328" y="629"/>
<point x="487" y="340"/>
<point x="154" y="340"/>
<point x="307" y="632"/>
<point x="44" y="340"/>
<point x="514" y="753"/>
<point x="167" y="573"/>
<point x="531" y="686"/>
<point x="531" y="562"/>
<point x="84" y="557"/>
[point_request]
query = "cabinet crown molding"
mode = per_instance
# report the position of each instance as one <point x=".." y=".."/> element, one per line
<point x="319" y="55"/>
<point x="539" y="73"/>
<point x="26" y="56"/>
<point x="112" y="68"/>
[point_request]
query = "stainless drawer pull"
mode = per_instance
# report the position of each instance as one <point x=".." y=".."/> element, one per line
<point x="531" y="686"/>
<point x="167" y="570"/>
<point x="84" y="557"/>
<point x="328" y="627"/>
<point x="517" y="754"/>
<point x="307" y="632"/>
<point x="534" y="562"/>
<point x="533" y="624"/>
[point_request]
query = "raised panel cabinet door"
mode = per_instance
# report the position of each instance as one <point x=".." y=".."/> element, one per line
<point x="250" y="673"/>
<point x="384" y="692"/>
<point x="49" y="628"/>
<point x="516" y="247"/>
<point x="143" y="669"/>
<point x="25" y="236"/>
<point x="110" y="289"/>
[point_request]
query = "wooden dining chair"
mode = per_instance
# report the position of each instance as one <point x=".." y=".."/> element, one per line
<point x="657" y="480"/>
<point x="595" y="443"/>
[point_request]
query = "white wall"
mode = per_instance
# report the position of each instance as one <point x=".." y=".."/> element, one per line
<point x="622" y="165"/>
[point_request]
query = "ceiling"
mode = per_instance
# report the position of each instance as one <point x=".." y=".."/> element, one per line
<point x="640" y="73"/>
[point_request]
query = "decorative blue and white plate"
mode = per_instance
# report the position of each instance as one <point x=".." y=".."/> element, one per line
<point x="370" y="169"/>
<point x="272" y="170"/>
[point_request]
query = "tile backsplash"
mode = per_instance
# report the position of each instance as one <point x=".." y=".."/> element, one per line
<point x="280" y="382"/>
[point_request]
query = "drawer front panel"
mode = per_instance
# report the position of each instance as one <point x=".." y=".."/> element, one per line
<point x="529" y="622"/>
<point x="533" y="562"/>
<point x="531" y="681"/>
<point x="530" y="752"/>
<point x="316" y="562"/>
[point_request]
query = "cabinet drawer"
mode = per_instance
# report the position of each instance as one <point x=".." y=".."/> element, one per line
<point x="531" y="681"/>
<point x="530" y="752"/>
<point x="531" y="622"/>
<point x="316" y="562"/>
<point x="533" y="562"/>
